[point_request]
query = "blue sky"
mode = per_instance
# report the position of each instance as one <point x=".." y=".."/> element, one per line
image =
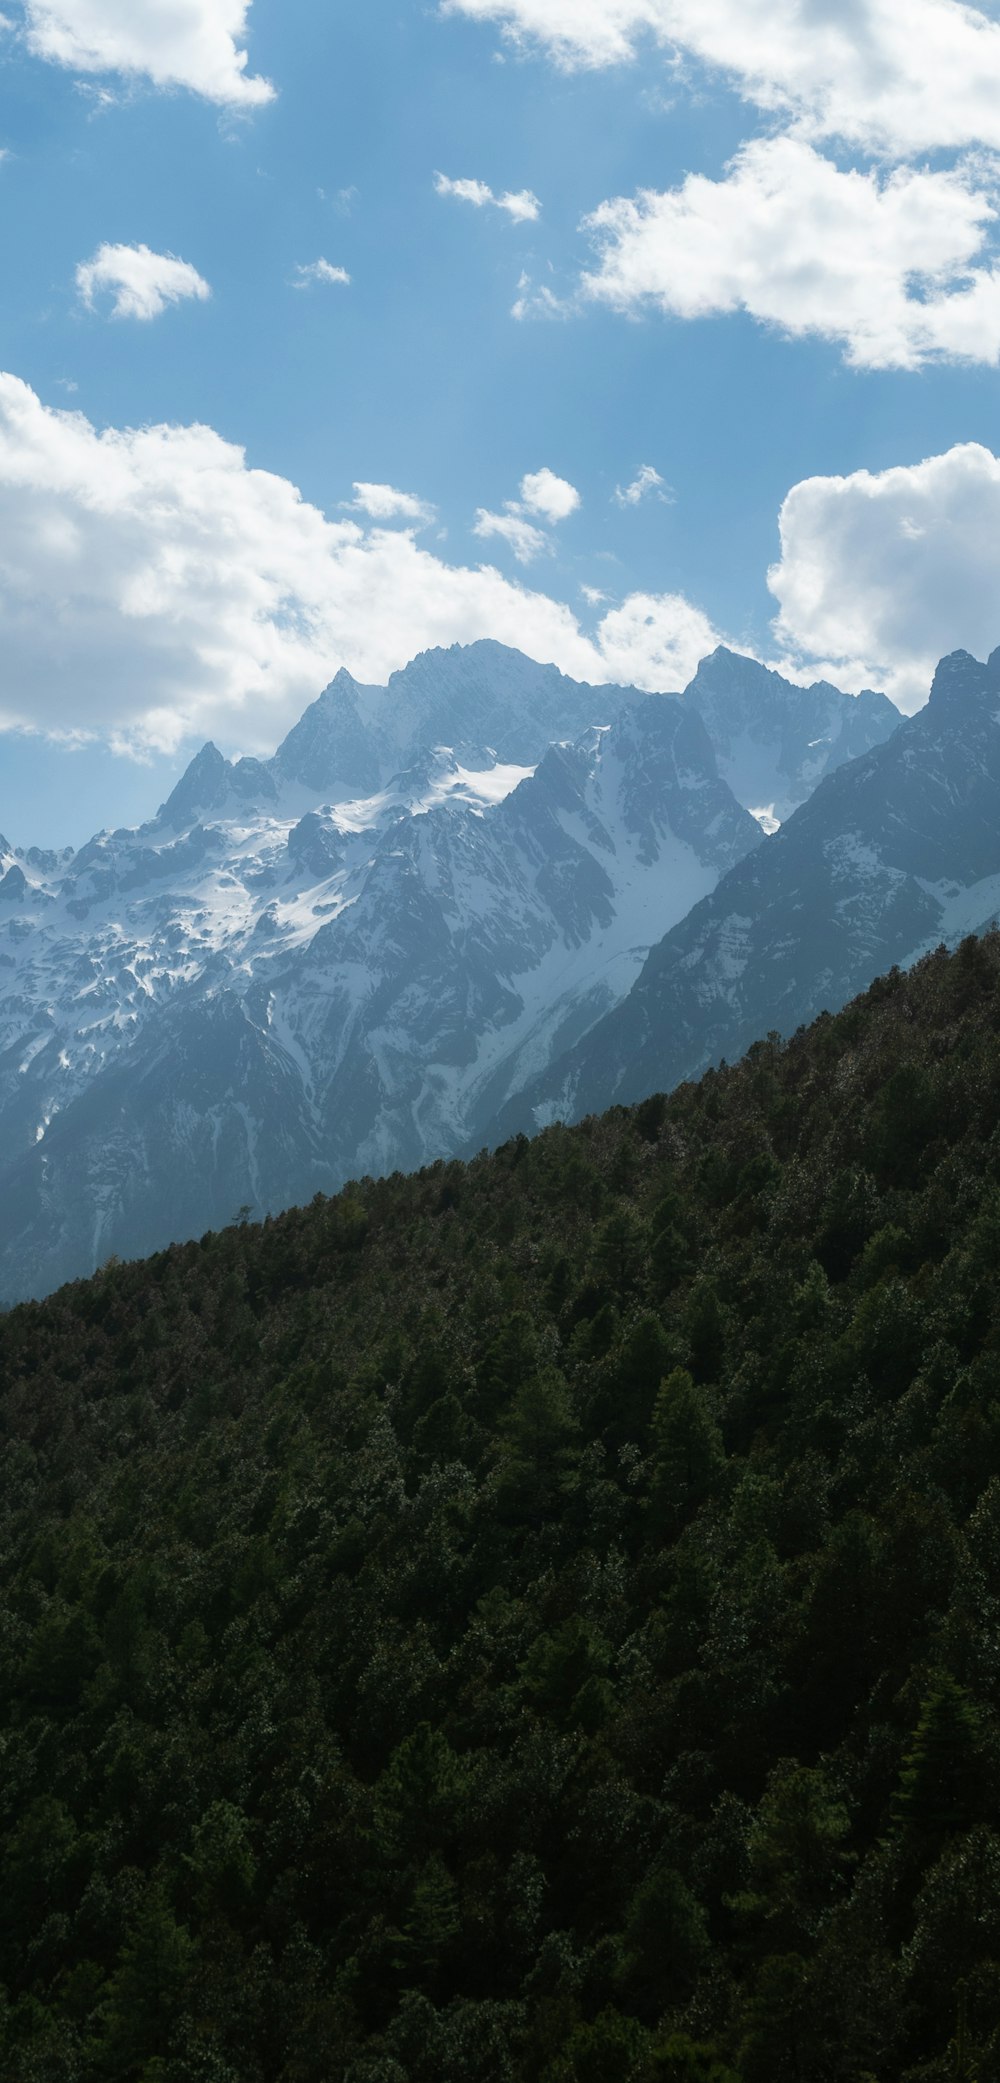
<point x="750" y="390"/>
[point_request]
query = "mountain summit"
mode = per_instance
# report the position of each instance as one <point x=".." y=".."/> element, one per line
<point x="773" y="741"/>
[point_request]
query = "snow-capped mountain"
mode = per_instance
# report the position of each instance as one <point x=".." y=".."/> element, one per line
<point x="322" y="964"/>
<point x="487" y="703"/>
<point x="893" y="854"/>
<point x="774" y="743"/>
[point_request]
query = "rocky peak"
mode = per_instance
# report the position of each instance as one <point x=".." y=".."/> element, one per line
<point x="330" y="750"/>
<point x="205" y="783"/>
<point x="14" y="886"/>
<point x="776" y="741"/>
<point x="964" y="687"/>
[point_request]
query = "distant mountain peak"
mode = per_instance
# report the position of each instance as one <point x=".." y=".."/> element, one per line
<point x="201" y="785"/>
<point x="962" y="684"/>
<point x="775" y="740"/>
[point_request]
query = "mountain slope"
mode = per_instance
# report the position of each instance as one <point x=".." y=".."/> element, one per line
<point x="893" y="853"/>
<point x="245" y="1004"/>
<point x="536" y="1621"/>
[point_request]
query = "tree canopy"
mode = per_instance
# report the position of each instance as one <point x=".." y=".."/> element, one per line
<point x="537" y="1621"/>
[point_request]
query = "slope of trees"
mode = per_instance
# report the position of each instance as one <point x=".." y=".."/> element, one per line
<point x="535" y="1622"/>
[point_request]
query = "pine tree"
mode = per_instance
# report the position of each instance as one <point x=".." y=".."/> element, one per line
<point x="541" y="1435"/>
<point x="688" y="1456"/>
<point x="147" y="1990"/>
<point x="941" y="1781"/>
<point x="431" y="1922"/>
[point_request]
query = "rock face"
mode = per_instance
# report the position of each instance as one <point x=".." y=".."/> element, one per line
<point x="344" y="959"/>
<point x="894" y="853"/>
<point x="775" y="743"/>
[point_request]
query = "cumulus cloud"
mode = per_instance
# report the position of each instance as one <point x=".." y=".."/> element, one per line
<point x="882" y="573"/>
<point x="521" y="535"/>
<point x="520" y="205"/>
<point x="646" y="484"/>
<point x="384" y="503"/>
<point x="542" y="492"/>
<point x="309" y="273"/>
<point x="650" y="639"/>
<point x="544" y="496"/>
<point x="140" y="282"/>
<point x="893" y="267"/>
<point x="155" y="588"/>
<point x="173" y="43"/>
<point x="791" y="235"/>
<point x="893" y="76"/>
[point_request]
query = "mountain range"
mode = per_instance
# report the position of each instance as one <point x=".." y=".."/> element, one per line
<point x="894" y="853"/>
<point x="390" y="940"/>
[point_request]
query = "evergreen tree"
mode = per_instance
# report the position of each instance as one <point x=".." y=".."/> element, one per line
<point x="688" y="1459"/>
<point x="143" y="2006"/>
<point x="940" y="1788"/>
<point x="541" y="1436"/>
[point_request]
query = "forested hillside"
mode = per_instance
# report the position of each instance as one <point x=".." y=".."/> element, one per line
<point x="535" y="1620"/>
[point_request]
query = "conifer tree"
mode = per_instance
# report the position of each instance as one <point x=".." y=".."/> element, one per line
<point x="688" y="1456"/>
<point x="541" y="1435"/>
<point x="147" y="1989"/>
<point x="941" y="1781"/>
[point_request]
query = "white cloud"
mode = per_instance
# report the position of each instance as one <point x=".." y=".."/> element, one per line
<point x="647" y="483"/>
<point x="308" y="273"/>
<point x="526" y="541"/>
<point x="384" y="503"/>
<point x="141" y="282"/>
<point x="544" y="496"/>
<point x="521" y="205"/>
<point x="155" y="588"/>
<point x="173" y="43"/>
<point x="885" y="265"/>
<point x="881" y="574"/>
<point x="542" y="492"/>
<point x="538" y="301"/>
<point x="577" y="32"/>
<point x="895" y="76"/>
<point x="475" y="192"/>
<point x="789" y="235"/>
<point x="651" y="639"/>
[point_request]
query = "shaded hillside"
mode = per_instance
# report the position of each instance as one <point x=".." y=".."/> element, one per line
<point x="536" y="1620"/>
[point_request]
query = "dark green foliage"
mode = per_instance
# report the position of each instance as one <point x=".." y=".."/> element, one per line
<point x="687" y="1461"/>
<point x="536" y="1622"/>
<point x="941" y="1786"/>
